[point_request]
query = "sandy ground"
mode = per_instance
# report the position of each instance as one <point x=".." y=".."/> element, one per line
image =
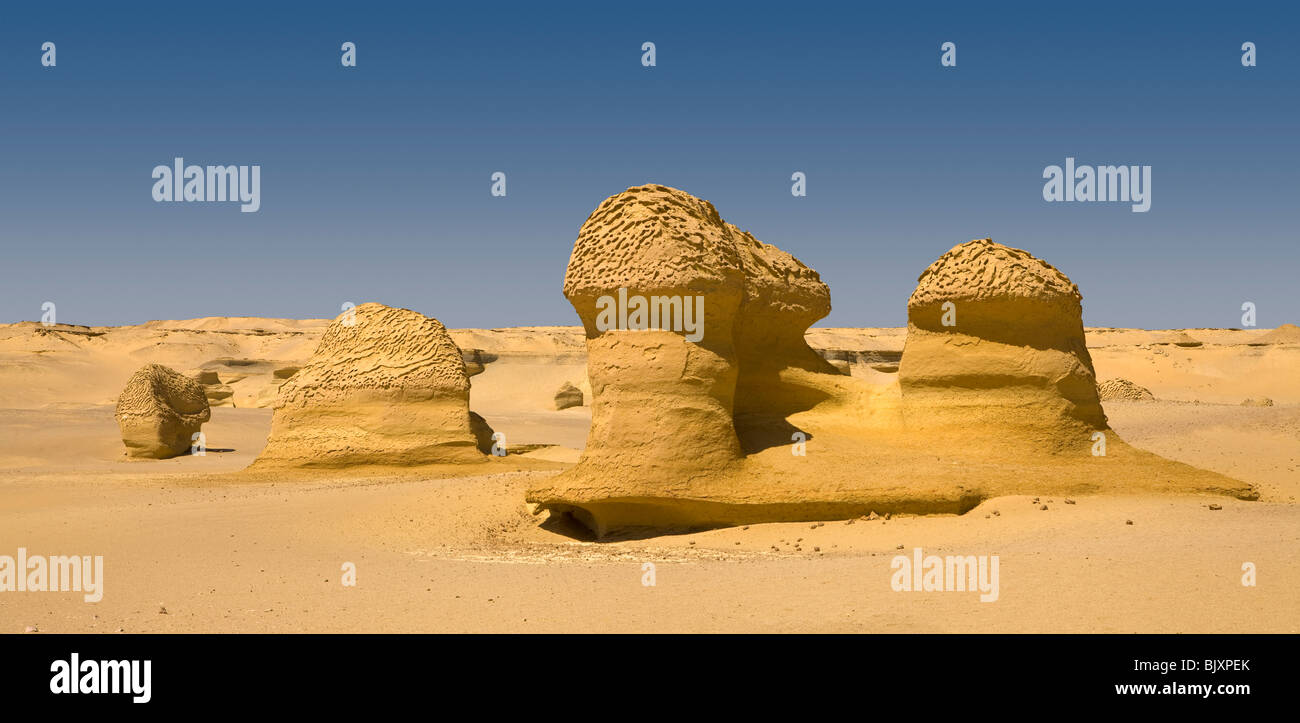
<point x="185" y="551"/>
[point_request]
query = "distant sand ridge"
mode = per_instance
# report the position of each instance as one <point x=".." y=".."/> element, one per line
<point x="1285" y="334"/>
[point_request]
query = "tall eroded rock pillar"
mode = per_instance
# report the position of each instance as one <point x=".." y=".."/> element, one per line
<point x="656" y="279"/>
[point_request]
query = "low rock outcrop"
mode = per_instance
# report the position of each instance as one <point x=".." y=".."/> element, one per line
<point x="159" y="412"/>
<point x="1123" y="389"/>
<point x="385" y="386"/>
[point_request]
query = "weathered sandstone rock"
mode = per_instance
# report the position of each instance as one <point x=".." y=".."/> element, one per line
<point x="385" y="386"/>
<point x="568" y="396"/>
<point x="159" y="412"/>
<point x="995" y="348"/>
<point x="736" y="419"/>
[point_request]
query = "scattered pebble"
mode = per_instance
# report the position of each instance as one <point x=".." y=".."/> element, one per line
<point x="817" y="549"/>
<point x="1216" y="506"/>
<point x="1069" y="501"/>
<point x="31" y="629"/>
<point x="1128" y="522"/>
<point x="1043" y="507"/>
<point x="996" y="513"/>
<point x="899" y="547"/>
<point x="162" y="610"/>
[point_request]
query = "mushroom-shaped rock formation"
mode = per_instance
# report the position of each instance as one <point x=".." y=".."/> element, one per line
<point x="160" y="411"/>
<point x="995" y="374"/>
<point x="710" y="409"/>
<point x="696" y="357"/>
<point x="995" y="347"/>
<point x="385" y="386"/>
<point x="661" y="400"/>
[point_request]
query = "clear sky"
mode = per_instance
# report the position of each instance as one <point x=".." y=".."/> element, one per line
<point x="376" y="179"/>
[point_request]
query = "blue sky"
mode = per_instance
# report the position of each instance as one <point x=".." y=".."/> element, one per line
<point x="375" y="179"/>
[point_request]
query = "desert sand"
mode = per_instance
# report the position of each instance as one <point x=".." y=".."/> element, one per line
<point x="373" y="442"/>
<point x="467" y="554"/>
